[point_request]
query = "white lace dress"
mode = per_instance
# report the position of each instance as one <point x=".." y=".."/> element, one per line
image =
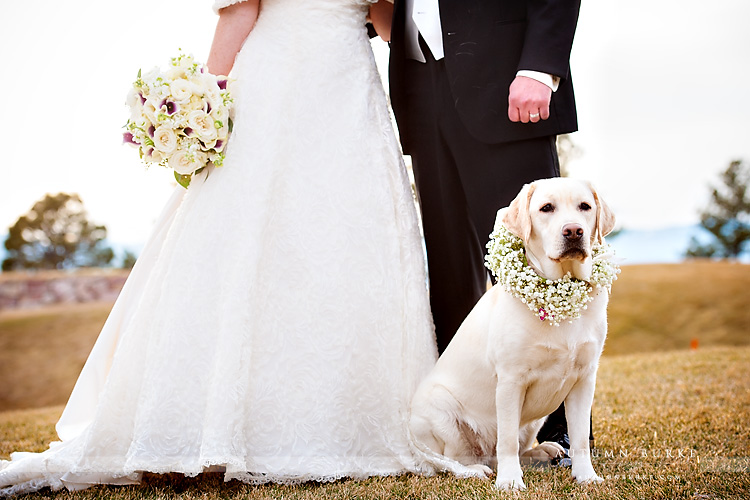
<point x="277" y="322"/>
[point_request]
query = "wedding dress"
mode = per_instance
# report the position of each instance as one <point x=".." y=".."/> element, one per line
<point x="277" y="321"/>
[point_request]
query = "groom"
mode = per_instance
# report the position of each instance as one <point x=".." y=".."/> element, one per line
<point x="480" y="90"/>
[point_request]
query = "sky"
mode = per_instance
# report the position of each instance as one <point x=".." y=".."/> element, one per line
<point x="661" y="87"/>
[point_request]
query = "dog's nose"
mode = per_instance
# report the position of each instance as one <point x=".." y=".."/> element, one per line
<point x="572" y="232"/>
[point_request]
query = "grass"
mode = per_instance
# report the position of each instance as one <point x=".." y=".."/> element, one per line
<point x="664" y="307"/>
<point x="670" y="422"/>
<point x="669" y="425"/>
<point x="42" y="352"/>
<point x="653" y="308"/>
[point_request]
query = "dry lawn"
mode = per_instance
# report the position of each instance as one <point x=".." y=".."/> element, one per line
<point x="670" y="422"/>
<point x="669" y="426"/>
<point x="664" y="307"/>
<point x="42" y="352"/>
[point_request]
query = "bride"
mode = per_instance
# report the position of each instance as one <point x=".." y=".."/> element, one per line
<point x="277" y="321"/>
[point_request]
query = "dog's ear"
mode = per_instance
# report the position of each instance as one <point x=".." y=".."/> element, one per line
<point x="605" y="219"/>
<point x="517" y="217"/>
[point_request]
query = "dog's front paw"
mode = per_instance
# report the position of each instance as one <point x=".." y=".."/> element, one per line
<point x="509" y="484"/>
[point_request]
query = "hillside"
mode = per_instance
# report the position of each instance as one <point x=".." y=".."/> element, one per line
<point x="653" y="308"/>
<point x="665" y="306"/>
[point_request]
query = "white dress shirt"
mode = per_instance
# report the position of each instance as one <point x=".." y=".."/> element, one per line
<point x="423" y="17"/>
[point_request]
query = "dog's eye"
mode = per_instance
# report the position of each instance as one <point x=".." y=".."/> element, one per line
<point x="584" y="206"/>
<point x="549" y="207"/>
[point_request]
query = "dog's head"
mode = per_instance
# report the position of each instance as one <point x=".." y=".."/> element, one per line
<point x="558" y="220"/>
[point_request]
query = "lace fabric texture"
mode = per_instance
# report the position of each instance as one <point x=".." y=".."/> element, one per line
<point x="277" y="321"/>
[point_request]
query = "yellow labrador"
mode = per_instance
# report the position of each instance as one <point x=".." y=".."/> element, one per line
<point x="505" y="370"/>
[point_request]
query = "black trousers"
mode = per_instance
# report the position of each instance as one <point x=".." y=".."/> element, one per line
<point x="462" y="183"/>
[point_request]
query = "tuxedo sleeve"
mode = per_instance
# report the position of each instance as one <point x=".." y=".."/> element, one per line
<point x="549" y="36"/>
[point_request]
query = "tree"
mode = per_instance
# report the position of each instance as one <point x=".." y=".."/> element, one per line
<point x="727" y="216"/>
<point x="128" y="260"/>
<point x="56" y="234"/>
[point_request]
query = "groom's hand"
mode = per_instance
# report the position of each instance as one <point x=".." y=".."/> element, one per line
<point x="528" y="100"/>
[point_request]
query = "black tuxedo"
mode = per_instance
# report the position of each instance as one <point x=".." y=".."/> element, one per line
<point x="486" y="42"/>
<point x="469" y="159"/>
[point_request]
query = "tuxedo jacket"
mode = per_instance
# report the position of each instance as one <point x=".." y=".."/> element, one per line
<point x="486" y="42"/>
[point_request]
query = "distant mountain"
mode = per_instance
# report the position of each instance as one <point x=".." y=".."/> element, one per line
<point x="668" y="245"/>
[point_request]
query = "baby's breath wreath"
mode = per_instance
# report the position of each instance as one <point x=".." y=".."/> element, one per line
<point x="553" y="301"/>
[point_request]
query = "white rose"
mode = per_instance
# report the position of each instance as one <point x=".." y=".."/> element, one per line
<point x="202" y="125"/>
<point x="196" y="102"/>
<point x="165" y="139"/>
<point x="182" y="90"/>
<point x="212" y="94"/>
<point x="186" y="162"/>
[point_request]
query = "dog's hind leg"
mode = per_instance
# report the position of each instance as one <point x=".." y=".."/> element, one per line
<point x="434" y="423"/>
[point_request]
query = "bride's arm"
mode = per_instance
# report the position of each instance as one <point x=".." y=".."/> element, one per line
<point x="235" y="23"/>
<point x="381" y="14"/>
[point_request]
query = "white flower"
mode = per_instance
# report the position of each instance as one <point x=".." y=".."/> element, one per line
<point x="558" y="300"/>
<point x="195" y="103"/>
<point x="202" y="125"/>
<point x="212" y="94"/>
<point x="150" y="155"/>
<point x="165" y="139"/>
<point x="151" y="111"/>
<point x="180" y="117"/>
<point x="134" y="102"/>
<point x="219" y="114"/>
<point x="182" y="90"/>
<point x="184" y="162"/>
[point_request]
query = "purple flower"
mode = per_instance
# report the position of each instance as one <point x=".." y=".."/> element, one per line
<point x="543" y="314"/>
<point x="187" y="131"/>
<point x="171" y="107"/>
<point x="151" y="131"/>
<point x="127" y="138"/>
<point x="222" y="83"/>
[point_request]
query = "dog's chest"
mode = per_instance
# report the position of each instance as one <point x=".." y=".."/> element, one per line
<point x="555" y="364"/>
<point x="546" y="361"/>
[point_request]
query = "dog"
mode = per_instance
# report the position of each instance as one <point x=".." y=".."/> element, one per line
<point x="505" y="370"/>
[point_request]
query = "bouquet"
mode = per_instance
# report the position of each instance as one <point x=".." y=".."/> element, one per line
<point x="179" y="118"/>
